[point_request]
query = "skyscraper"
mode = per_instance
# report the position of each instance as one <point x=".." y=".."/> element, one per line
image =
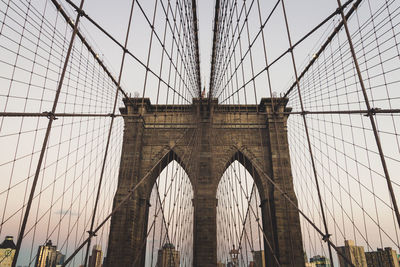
<point x="95" y="260"/>
<point x="49" y="256"/>
<point x="168" y="256"/>
<point x="353" y="253"/>
<point x="382" y="258"/>
<point x="7" y="251"/>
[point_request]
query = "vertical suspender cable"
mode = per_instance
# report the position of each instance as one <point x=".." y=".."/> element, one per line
<point x="109" y="135"/>
<point x="46" y="139"/>
<point x="370" y="115"/>
<point x="326" y="237"/>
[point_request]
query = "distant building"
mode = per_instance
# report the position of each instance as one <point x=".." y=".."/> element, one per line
<point x="382" y="258"/>
<point x="353" y="253"/>
<point x="60" y="258"/>
<point x="259" y="258"/>
<point x="7" y="251"/>
<point x="49" y="256"/>
<point x="311" y="264"/>
<point x="320" y="261"/>
<point x="95" y="260"/>
<point x="168" y="256"/>
<point x="234" y="254"/>
<point x="308" y="264"/>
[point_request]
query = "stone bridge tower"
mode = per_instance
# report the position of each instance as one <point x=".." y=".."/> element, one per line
<point x="214" y="136"/>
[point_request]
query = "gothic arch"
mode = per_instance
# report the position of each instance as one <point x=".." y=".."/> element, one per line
<point x="238" y="155"/>
<point x="265" y="192"/>
<point x="239" y="212"/>
<point x="171" y="188"/>
<point x="162" y="162"/>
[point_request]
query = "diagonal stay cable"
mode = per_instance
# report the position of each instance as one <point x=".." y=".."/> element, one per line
<point x="80" y="11"/>
<point x="353" y="8"/>
<point x="88" y="46"/>
<point x="110" y="131"/>
<point x="285" y="195"/>
<point x="325" y="45"/>
<point x="336" y="12"/>
<point x="250" y="208"/>
<point x="45" y="141"/>
<point x="371" y="117"/>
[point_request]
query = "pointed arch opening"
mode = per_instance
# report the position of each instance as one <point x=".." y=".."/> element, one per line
<point x="169" y="238"/>
<point x="240" y="239"/>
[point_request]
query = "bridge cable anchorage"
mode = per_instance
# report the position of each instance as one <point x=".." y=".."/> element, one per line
<point x="50" y="115"/>
<point x="372" y="112"/>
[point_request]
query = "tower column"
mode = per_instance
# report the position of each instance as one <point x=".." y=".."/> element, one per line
<point x="127" y="240"/>
<point x="286" y="221"/>
<point x="205" y="202"/>
<point x="205" y="231"/>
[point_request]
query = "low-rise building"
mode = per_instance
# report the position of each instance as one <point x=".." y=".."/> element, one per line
<point x="353" y="253"/>
<point x="320" y="261"/>
<point x="382" y="258"/>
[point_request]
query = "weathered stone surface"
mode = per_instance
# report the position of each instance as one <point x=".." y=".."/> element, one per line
<point x="205" y="138"/>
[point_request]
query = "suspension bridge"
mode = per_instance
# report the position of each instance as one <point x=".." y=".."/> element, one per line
<point x="121" y="145"/>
